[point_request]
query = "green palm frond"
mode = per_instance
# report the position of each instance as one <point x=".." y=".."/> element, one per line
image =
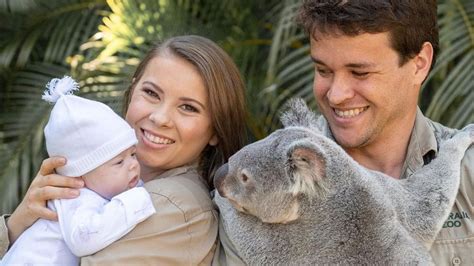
<point x="452" y="78"/>
<point x="21" y="150"/>
<point x="38" y="49"/>
<point x="290" y="71"/>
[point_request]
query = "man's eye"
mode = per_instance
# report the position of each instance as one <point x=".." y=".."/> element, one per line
<point x="360" y="74"/>
<point x="119" y="162"/>
<point x="134" y="155"/>
<point x="323" y="72"/>
<point x="189" y="108"/>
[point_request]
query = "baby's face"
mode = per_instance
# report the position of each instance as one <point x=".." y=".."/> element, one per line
<point x="115" y="176"/>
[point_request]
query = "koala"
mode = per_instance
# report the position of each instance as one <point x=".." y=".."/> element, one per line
<point x="297" y="198"/>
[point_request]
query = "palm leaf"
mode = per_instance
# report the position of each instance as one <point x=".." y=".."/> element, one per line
<point x="451" y="78"/>
<point x="38" y="52"/>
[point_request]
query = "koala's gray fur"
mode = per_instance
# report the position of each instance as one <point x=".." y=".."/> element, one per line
<point x="297" y="198"/>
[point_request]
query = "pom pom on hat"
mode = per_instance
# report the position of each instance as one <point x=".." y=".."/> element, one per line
<point x="88" y="133"/>
<point x="58" y="87"/>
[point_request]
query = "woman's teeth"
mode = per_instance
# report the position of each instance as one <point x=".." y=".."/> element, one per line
<point x="156" y="139"/>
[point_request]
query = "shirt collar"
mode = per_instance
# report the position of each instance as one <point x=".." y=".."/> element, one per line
<point x="177" y="171"/>
<point x="422" y="147"/>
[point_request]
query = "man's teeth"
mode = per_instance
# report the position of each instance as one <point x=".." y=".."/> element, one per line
<point x="156" y="139"/>
<point x="349" y="113"/>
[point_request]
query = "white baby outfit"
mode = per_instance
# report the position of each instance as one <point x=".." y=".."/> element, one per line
<point x="88" y="134"/>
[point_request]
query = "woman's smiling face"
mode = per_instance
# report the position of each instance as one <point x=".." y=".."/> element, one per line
<point x="170" y="114"/>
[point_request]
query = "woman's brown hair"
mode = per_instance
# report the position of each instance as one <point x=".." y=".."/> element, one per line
<point x="224" y="87"/>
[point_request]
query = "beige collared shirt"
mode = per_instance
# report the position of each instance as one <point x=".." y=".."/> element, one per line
<point x="454" y="244"/>
<point x="183" y="231"/>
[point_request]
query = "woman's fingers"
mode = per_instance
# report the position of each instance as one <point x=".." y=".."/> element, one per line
<point x="46" y="176"/>
<point x="45" y="186"/>
<point x="42" y="194"/>
<point x="56" y="180"/>
<point x="48" y="165"/>
<point x="46" y="213"/>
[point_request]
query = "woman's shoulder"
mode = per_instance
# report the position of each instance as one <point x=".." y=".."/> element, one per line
<point x="184" y="189"/>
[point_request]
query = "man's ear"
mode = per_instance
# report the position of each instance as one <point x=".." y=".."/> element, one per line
<point x="306" y="167"/>
<point x="423" y="62"/>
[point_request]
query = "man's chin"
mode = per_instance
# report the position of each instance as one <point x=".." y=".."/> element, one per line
<point x="350" y="141"/>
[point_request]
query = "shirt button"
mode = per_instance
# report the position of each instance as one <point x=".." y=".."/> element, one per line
<point x="456" y="261"/>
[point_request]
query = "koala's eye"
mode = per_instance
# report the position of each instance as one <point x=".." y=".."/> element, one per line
<point x="244" y="177"/>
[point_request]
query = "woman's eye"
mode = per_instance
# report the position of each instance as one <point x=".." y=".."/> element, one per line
<point x="119" y="162"/>
<point x="151" y="93"/>
<point x="134" y="155"/>
<point x="189" y="108"/>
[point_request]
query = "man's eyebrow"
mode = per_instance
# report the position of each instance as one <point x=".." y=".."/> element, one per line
<point x="317" y="61"/>
<point x="360" y="65"/>
<point x="350" y="65"/>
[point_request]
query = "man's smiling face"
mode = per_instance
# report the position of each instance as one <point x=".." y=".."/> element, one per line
<point x="361" y="88"/>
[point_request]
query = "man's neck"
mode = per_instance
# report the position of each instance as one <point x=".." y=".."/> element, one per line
<point x="386" y="154"/>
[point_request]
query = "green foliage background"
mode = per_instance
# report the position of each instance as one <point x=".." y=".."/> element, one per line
<point x="100" y="42"/>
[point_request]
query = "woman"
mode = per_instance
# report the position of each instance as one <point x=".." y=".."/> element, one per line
<point x="186" y="105"/>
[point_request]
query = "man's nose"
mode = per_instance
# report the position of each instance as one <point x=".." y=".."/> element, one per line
<point x="340" y="90"/>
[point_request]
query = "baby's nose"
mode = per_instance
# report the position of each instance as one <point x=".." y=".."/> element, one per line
<point x="133" y="163"/>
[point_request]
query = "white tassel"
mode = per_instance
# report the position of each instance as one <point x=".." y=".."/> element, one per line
<point x="59" y="87"/>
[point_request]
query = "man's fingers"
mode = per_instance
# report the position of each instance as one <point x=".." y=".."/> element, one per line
<point x="48" y="165"/>
<point x="47" y="193"/>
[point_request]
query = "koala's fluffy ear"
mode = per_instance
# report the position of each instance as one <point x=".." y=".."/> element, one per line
<point x="298" y="114"/>
<point x="306" y="168"/>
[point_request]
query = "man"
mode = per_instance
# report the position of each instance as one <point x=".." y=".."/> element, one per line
<point x="371" y="58"/>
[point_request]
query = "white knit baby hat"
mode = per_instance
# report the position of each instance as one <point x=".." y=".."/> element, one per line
<point x="87" y="133"/>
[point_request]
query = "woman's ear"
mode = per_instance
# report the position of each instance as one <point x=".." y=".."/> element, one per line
<point x="214" y="140"/>
<point x="423" y="62"/>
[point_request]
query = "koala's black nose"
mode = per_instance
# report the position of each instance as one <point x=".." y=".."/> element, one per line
<point x="219" y="178"/>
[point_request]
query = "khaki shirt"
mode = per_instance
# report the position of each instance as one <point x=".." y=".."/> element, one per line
<point x="454" y="244"/>
<point x="183" y="231"/>
<point x="4" y="241"/>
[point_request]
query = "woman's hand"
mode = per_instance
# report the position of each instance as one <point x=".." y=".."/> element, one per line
<point x="46" y="186"/>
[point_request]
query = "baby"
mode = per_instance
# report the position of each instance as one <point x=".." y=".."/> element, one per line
<point x="100" y="148"/>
